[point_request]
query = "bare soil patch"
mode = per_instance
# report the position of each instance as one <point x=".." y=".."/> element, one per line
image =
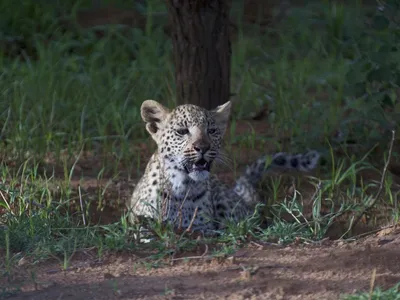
<point x="319" y="271"/>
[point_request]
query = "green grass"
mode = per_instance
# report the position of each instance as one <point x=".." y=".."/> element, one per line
<point x="70" y="92"/>
<point x="377" y="294"/>
<point x="39" y="222"/>
<point x="81" y="90"/>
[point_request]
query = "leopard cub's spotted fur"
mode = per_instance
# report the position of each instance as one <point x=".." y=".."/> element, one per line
<point x="177" y="185"/>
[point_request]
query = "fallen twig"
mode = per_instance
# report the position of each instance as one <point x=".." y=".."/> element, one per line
<point x="4" y="199"/>
<point x="81" y="203"/>
<point x="195" y="257"/>
<point x="191" y="221"/>
<point x="317" y="190"/>
<point x="259" y="246"/>
<point x="364" y="234"/>
<point x="180" y="211"/>
<point x="369" y="206"/>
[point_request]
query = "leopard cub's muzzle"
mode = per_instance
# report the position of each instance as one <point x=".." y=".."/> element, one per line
<point x="199" y="160"/>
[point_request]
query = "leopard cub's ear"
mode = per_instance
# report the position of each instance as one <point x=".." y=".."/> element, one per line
<point x="222" y="113"/>
<point x="153" y="113"/>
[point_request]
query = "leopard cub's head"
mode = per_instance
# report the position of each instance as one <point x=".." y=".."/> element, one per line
<point x="188" y="137"/>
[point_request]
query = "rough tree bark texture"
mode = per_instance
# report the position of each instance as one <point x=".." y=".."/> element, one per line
<point x="202" y="51"/>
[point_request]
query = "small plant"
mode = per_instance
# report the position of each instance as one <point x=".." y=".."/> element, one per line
<point x="377" y="294"/>
<point x="314" y="227"/>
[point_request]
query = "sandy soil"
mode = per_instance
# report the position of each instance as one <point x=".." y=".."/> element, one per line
<point x="324" y="270"/>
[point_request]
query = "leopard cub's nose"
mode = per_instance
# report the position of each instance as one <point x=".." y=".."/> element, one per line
<point x="201" y="147"/>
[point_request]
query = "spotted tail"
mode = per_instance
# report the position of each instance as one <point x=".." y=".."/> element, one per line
<point x="246" y="184"/>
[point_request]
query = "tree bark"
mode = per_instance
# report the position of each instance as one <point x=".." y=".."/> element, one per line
<point x="202" y="51"/>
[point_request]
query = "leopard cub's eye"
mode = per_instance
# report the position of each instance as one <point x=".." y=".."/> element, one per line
<point x="212" y="130"/>
<point x="182" y="131"/>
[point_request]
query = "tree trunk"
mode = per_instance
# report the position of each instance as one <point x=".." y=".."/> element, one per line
<point x="202" y="51"/>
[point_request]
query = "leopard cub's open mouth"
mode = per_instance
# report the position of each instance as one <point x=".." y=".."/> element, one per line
<point x="198" y="166"/>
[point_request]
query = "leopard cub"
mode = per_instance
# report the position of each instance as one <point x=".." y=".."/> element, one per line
<point x="177" y="186"/>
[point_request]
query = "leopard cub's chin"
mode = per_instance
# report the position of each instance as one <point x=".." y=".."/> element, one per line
<point x="199" y="175"/>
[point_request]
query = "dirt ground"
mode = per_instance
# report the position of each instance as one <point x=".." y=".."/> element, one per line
<point x="324" y="270"/>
